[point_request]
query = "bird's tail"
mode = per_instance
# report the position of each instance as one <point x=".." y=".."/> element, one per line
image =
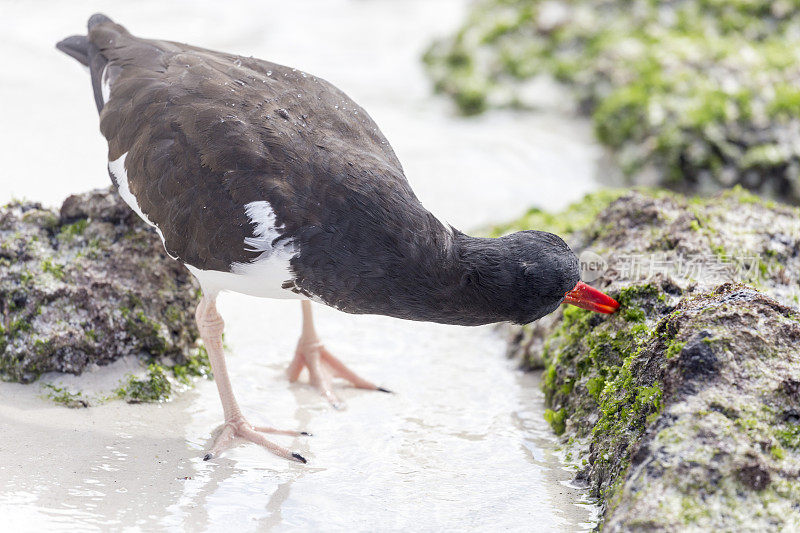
<point x="81" y="48"/>
<point x="77" y="47"/>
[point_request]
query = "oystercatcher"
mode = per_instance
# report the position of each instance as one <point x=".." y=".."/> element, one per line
<point x="265" y="180"/>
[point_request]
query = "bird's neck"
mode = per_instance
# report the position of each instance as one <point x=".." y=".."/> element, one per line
<point x="477" y="287"/>
<point x="451" y="278"/>
<point x="414" y="268"/>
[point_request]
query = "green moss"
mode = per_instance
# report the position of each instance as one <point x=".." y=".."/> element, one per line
<point x="557" y="420"/>
<point x="18" y="325"/>
<point x="682" y="87"/>
<point x="154" y="387"/>
<point x="594" y="386"/>
<point x="777" y="453"/>
<point x="549" y="378"/>
<point x="624" y="404"/>
<point x="196" y="366"/>
<point x="42" y="346"/>
<point x="692" y="512"/>
<point x="578" y="216"/>
<point x="633" y="314"/>
<point x="25" y="277"/>
<point x="55" y="269"/>
<point x="674" y="349"/>
<point x="785" y="103"/>
<point x="174" y="314"/>
<point x="64" y="397"/>
<point x="628" y="296"/>
<point x="590" y="379"/>
<point x="743" y="196"/>
<point x="789" y="436"/>
<point x="147" y="331"/>
<point x="41" y="217"/>
<point x="70" y="231"/>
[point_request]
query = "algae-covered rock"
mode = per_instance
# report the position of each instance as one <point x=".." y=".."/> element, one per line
<point x="682" y="408"/>
<point x="88" y="285"/>
<point x="692" y="94"/>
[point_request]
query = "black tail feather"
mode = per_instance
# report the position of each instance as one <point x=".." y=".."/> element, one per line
<point x="82" y="49"/>
<point x="76" y="46"/>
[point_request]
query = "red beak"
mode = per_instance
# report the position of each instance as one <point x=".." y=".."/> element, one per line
<point x="587" y="297"/>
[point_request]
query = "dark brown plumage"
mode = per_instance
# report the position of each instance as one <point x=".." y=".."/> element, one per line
<point x="226" y="130"/>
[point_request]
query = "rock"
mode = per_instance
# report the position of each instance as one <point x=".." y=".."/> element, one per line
<point x="88" y="285"/>
<point x="690" y="95"/>
<point x="683" y="408"/>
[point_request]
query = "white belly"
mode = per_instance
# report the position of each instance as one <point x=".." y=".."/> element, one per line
<point x="262" y="278"/>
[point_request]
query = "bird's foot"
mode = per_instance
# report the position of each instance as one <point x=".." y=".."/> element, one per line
<point x="322" y="368"/>
<point x="240" y="429"/>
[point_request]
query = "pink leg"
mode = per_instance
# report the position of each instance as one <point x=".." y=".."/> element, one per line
<point x="210" y="324"/>
<point x="322" y="365"/>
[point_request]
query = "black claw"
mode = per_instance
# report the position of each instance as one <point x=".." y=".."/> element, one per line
<point x="381" y="389"/>
<point x="338" y="406"/>
<point x="306" y="434"/>
<point x="208" y="456"/>
<point x="299" y="457"/>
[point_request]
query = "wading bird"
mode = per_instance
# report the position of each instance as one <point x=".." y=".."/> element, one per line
<point x="268" y="181"/>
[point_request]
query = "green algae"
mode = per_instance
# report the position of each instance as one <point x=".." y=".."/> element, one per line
<point x="577" y="216"/>
<point x="197" y="366"/>
<point x="595" y="355"/>
<point x="62" y="396"/>
<point x="74" y="292"/>
<point x="71" y="231"/>
<point x="622" y="374"/>
<point x="556" y="419"/>
<point x="153" y="387"/>
<point x="789" y="436"/>
<point x="51" y="267"/>
<point x="703" y="92"/>
<point x="147" y="331"/>
<point x="158" y="382"/>
<point x="643" y="398"/>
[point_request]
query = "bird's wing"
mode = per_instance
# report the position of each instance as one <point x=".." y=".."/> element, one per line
<point x="205" y="133"/>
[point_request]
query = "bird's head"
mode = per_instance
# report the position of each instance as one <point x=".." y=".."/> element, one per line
<point x="528" y="274"/>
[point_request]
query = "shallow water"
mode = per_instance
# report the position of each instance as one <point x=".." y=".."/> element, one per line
<point x="461" y="445"/>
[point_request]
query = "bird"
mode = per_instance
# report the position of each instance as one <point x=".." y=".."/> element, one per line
<point x="265" y="180"/>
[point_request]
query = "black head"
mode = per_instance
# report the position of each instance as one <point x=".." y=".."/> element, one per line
<point x="549" y="269"/>
<point x="519" y="277"/>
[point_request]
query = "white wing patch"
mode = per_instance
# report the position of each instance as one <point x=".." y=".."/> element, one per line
<point x="262" y="277"/>
<point x="117" y="170"/>
<point x="105" y="84"/>
<point x="261" y="214"/>
<point x="265" y="275"/>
